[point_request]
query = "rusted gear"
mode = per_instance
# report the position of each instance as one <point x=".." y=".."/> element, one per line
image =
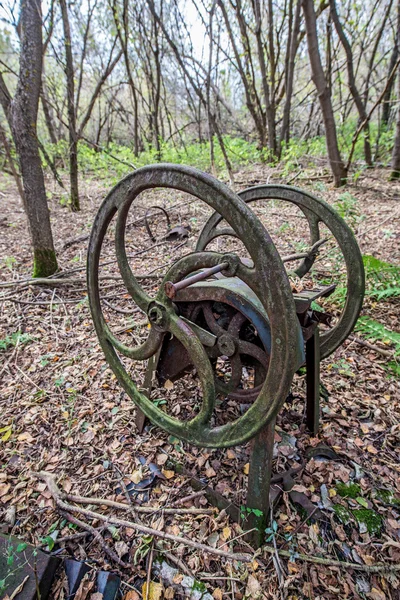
<point x="267" y="279"/>
<point x="238" y="341"/>
<point x="316" y="211"/>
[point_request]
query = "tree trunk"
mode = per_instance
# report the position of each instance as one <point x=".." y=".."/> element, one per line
<point x="73" y="137"/>
<point x="361" y="108"/>
<point x="395" y="173"/>
<point x="393" y="59"/>
<point x="335" y="160"/>
<point x="22" y="115"/>
<point x="285" y="130"/>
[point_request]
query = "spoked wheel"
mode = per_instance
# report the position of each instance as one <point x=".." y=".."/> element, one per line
<point x="316" y="212"/>
<point x="267" y="278"/>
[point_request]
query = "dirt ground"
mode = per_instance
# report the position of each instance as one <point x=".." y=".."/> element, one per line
<point x="64" y="412"/>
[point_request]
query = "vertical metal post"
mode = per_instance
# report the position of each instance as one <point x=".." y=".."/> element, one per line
<point x="260" y="470"/>
<point x="146" y="390"/>
<point x="313" y="382"/>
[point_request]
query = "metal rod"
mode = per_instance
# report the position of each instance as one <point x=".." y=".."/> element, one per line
<point x="171" y="289"/>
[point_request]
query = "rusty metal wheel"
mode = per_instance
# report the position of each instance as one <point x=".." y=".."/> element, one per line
<point x="267" y="278"/>
<point x="316" y="212"/>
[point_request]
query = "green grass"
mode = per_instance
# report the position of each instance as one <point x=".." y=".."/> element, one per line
<point x="116" y="160"/>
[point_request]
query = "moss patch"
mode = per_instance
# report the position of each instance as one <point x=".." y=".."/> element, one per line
<point x="44" y="262"/>
<point x="386" y="497"/>
<point x="342" y="513"/>
<point x="370" y="518"/>
<point x="349" y="490"/>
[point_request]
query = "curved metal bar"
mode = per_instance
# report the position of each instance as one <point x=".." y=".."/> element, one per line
<point x="316" y="211"/>
<point x="132" y="285"/>
<point x="196" y="351"/>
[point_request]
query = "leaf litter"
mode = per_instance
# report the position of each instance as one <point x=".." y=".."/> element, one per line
<point x="63" y="412"/>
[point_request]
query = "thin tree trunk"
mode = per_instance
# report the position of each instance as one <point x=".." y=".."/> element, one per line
<point x="335" y="160"/>
<point x="269" y="106"/>
<point x="73" y="137"/>
<point x="362" y="113"/>
<point x="21" y="113"/>
<point x="387" y="104"/>
<point x="285" y="130"/>
<point x="395" y="164"/>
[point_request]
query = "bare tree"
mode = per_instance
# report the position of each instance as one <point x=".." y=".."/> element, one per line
<point x="338" y="168"/>
<point x="73" y="137"/>
<point x="21" y="112"/>
<point x="361" y="108"/>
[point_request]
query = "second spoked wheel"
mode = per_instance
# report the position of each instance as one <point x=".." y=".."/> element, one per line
<point x="316" y="213"/>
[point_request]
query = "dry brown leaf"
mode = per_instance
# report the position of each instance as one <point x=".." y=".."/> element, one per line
<point x="253" y="588"/>
<point x="217" y="594"/>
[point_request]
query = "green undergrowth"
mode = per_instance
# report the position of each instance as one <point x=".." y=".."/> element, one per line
<point x="382" y="278"/>
<point x="376" y="332"/>
<point x="112" y="161"/>
<point x="14" y="339"/>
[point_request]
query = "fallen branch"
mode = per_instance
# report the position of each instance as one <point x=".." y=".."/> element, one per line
<point x="139" y="509"/>
<point x="311" y="253"/>
<point x="97" y="536"/>
<point x="372" y="347"/>
<point x="59" y="497"/>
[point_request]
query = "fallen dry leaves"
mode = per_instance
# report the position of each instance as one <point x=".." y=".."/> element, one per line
<point x="64" y="412"/>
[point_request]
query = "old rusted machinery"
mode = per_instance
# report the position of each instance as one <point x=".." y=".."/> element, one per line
<point x="212" y="306"/>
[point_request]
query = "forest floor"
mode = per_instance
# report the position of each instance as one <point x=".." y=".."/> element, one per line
<point x="63" y="412"/>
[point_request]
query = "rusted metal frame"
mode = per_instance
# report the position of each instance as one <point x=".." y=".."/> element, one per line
<point x="258" y="489"/>
<point x="268" y="280"/>
<point x="155" y="207"/>
<point x="171" y="289"/>
<point x="313" y="382"/>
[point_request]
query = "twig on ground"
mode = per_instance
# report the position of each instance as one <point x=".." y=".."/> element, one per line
<point x="97" y="536"/>
<point x="139" y="509"/>
<point x="59" y="497"/>
<point x="366" y="344"/>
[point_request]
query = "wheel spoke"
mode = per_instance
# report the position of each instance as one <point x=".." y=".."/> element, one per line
<point x="141" y="298"/>
<point x="201" y="362"/>
<point x="142" y="352"/>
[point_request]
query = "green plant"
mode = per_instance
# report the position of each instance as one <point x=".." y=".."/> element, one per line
<point x="374" y="330"/>
<point x="14" y="339"/>
<point x="383" y="278"/>
<point x="271" y="531"/>
<point x="10" y="262"/>
<point x="348" y="208"/>
<point x="371" y="329"/>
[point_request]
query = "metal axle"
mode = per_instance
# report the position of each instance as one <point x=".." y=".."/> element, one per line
<point x="171" y="289"/>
